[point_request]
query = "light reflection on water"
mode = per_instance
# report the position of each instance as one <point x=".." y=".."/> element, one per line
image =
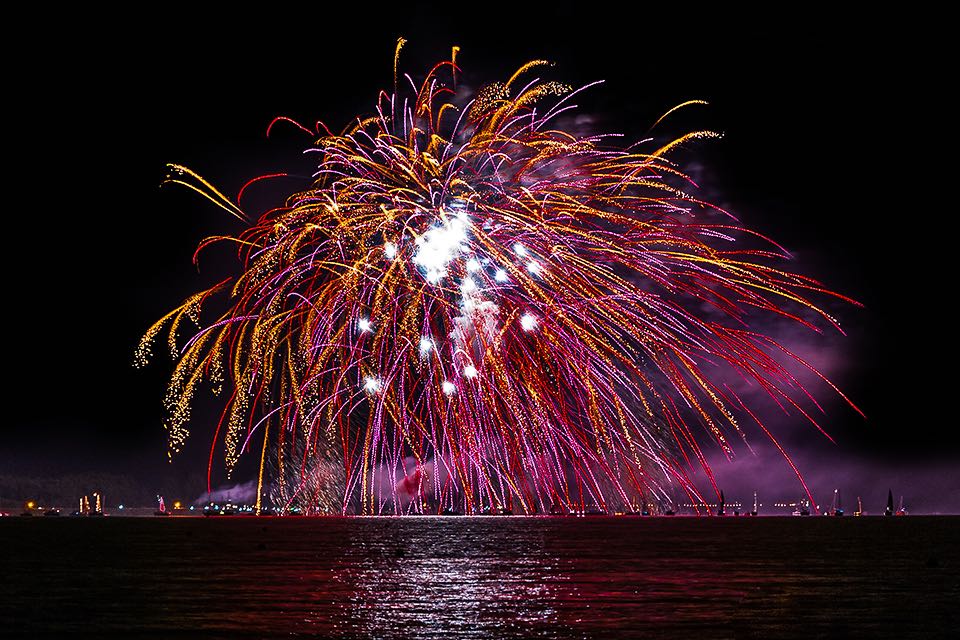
<point x="481" y="577"/>
<point x="464" y="582"/>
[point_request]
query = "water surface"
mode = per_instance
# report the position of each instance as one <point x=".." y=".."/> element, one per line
<point x="481" y="577"/>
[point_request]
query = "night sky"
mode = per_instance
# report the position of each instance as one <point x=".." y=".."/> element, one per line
<point x="818" y="118"/>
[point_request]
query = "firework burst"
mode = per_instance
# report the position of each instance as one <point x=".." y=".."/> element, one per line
<point x="471" y="308"/>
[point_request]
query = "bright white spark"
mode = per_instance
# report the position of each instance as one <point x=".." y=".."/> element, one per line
<point x="519" y="249"/>
<point x="470" y="371"/>
<point x="439" y="245"/>
<point x="468" y="285"/>
<point x="473" y="264"/>
<point x="390" y="250"/>
<point x="449" y="388"/>
<point x="371" y="384"/>
<point x="364" y="325"/>
<point x="528" y="322"/>
<point x="500" y="275"/>
<point x="425" y="345"/>
<point x="533" y="267"/>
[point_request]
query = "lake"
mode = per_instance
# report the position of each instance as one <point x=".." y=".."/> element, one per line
<point x="481" y="577"/>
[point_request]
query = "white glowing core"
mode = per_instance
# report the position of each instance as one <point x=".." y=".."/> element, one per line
<point x="425" y="345"/>
<point x="364" y="325"/>
<point x="470" y="371"/>
<point x="528" y="322"/>
<point x="390" y="250"/>
<point x="439" y="245"/>
<point x="449" y="388"/>
<point x="500" y="275"/>
<point x="371" y="384"/>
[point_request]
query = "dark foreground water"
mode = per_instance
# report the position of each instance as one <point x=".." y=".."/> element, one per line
<point x="481" y="577"/>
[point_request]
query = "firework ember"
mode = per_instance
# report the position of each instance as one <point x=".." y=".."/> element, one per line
<point x="474" y="309"/>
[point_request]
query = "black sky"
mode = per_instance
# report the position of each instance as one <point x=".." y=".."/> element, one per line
<point x="818" y="115"/>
